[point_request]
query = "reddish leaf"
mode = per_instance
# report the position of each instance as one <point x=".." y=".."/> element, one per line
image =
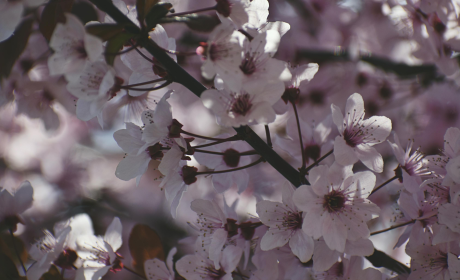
<point x="144" y="244"/>
<point x="52" y="274"/>
<point x="53" y="13"/>
<point x="12" y="48"/>
<point x="8" y="269"/>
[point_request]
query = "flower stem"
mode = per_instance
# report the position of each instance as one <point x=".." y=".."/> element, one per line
<point x="144" y="83"/>
<point x="393" y="227"/>
<point x="199" y="136"/>
<point x="267" y="134"/>
<point x="300" y="137"/>
<point x="385" y="183"/>
<point x="233" y="169"/>
<point x="134" y="272"/>
<point x="144" y="56"/>
<point x="17" y="252"/>
<point x="179" y="53"/>
<point x="193" y="11"/>
<point x="247" y="153"/>
<point x="319" y="160"/>
<point x="233" y="138"/>
<point x="167" y="83"/>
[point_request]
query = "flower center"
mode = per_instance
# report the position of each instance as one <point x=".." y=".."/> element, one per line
<point x="291" y="94"/>
<point x="155" y="151"/>
<point x="241" y="105"/>
<point x="248" y="65"/>
<point x="334" y="201"/>
<point x="293" y="221"/>
<point x="231" y="227"/>
<point x="353" y="137"/>
<point x="66" y="259"/>
<point x="213" y="273"/>
<point x="231" y="157"/>
<point x="188" y="174"/>
<point x="312" y="151"/>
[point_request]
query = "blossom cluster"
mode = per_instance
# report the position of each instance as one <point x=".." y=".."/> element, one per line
<point x="285" y="162"/>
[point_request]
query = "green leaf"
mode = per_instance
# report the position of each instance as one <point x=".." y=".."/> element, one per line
<point x="8" y="269"/>
<point x="12" y="48"/>
<point x="157" y="12"/>
<point x="201" y="23"/>
<point x="114" y="45"/>
<point x="104" y="31"/>
<point x="85" y="11"/>
<point x="144" y="244"/>
<point x="52" y="274"/>
<point x="53" y="13"/>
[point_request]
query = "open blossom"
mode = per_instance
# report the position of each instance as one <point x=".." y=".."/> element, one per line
<point x="94" y="86"/>
<point x="285" y="225"/>
<point x="99" y="254"/>
<point x="236" y="108"/>
<point x="72" y="47"/>
<point x="412" y="166"/>
<point x="222" y="52"/>
<point x="336" y="204"/>
<point x="357" y="136"/>
<point x="433" y="262"/>
<point x="197" y="267"/>
<point x="46" y="251"/>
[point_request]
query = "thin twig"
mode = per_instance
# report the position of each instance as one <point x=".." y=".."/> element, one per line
<point x="144" y="83"/>
<point x="233" y="138"/>
<point x="393" y="227"/>
<point x="248" y="153"/>
<point x="233" y="169"/>
<point x="385" y="183"/>
<point x="199" y="136"/>
<point x="319" y="160"/>
<point x="193" y="11"/>
<point x="167" y="83"/>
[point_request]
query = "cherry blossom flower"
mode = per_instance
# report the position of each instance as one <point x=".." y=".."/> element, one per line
<point x="157" y="270"/>
<point x="46" y="251"/>
<point x="324" y="258"/>
<point x="197" y="267"/>
<point x="222" y="53"/>
<point x="357" y="136"/>
<point x="12" y="205"/>
<point x="94" y="86"/>
<point x="233" y="10"/>
<point x="72" y="47"/>
<point x="336" y="205"/>
<point x="433" y="262"/>
<point x="285" y="225"/>
<point x="257" y="65"/>
<point x="99" y="253"/>
<point x="415" y="207"/>
<point x="345" y="269"/>
<point x="412" y="166"/>
<point x="439" y="164"/>
<point x="243" y="107"/>
<point x="62" y="249"/>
